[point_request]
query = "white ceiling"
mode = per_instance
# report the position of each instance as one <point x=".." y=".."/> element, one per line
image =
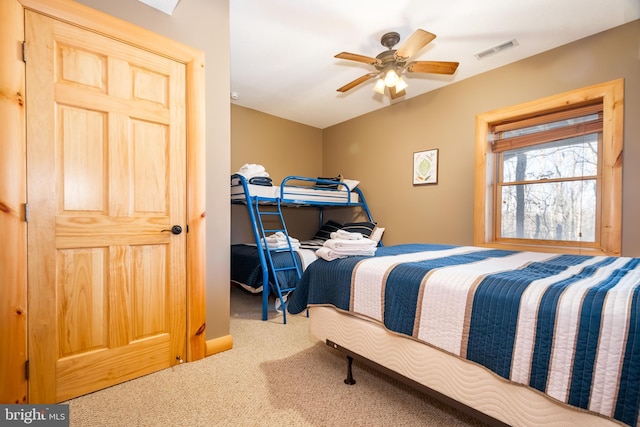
<point x="282" y="51"/>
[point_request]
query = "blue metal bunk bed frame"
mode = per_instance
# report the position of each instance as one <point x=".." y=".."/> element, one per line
<point x="290" y="196"/>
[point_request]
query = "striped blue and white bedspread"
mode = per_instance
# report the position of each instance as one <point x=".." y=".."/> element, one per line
<point x="566" y="325"/>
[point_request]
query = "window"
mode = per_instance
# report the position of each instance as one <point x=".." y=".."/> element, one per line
<point x="549" y="173"/>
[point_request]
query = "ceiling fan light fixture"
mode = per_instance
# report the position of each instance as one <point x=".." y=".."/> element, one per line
<point x="401" y="85"/>
<point x="379" y="86"/>
<point x="391" y="78"/>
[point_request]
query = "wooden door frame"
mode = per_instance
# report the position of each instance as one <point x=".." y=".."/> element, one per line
<point x="13" y="191"/>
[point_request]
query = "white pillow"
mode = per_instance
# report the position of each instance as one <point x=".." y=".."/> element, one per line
<point x="377" y="234"/>
<point x="352" y="183"/>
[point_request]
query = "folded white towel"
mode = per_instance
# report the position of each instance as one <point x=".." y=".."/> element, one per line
<point x="329" y="254"/>
<point x="279" y="241"/>
<point x="282" y="245"/>
<point x="364" y="243"/>
<point x="353" y="252"/>
<point x="251" y="170"/>
<point x="280" y="236"/>
<point x="347" y="235"/>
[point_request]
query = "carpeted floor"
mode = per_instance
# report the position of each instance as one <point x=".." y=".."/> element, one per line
<point x="276" y="375"/>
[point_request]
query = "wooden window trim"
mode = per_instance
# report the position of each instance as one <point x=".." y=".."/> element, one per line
<point x="547" y="136"/>
<point x="611" y="97"/>
<point x="568" y="113"/>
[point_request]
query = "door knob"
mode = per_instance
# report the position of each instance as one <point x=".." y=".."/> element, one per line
<point x="176" y="229"/>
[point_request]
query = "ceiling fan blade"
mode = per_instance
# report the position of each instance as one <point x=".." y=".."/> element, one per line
<point x="415" y="42"/>
<point x="356" y="82"/>
<point x="355" y="57"/>
<point x="393" y="94"/>
<point x="434" y="67"/>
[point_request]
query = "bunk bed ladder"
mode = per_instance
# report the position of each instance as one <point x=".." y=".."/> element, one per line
<point x="281" y="293"/>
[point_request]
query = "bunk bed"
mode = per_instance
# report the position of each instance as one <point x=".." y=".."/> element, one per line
<point x="516" y="338"/>
<point x="276" y="271"/>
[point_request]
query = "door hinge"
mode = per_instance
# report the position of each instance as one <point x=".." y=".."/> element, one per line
<point x="26" y="212"/>
<point x="24" y="52"/>
<point x="26" y="370"/>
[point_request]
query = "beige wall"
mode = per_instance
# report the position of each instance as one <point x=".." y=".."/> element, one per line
<point x="377" y="148"/>
<point x="204" y="25"/>
<point x="299" y="152"/>
<point x="255" y="135"/>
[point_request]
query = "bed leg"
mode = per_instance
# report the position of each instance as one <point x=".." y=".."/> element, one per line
<point x="350" y="380"/>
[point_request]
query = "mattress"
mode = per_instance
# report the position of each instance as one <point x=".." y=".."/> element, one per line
<point x="296" y="195"/>
<point x="237" y="192"/>
<point x="459" y="379"/>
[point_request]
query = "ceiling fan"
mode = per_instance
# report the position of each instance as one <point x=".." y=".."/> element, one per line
<point x="392" y="63"/>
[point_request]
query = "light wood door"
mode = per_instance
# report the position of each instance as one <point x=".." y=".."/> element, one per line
<point x="106" y="179"/>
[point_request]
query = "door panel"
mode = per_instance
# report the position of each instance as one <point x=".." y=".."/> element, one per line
<point x="106" y="181"/>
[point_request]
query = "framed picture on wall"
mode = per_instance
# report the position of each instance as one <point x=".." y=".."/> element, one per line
<point x="425" y="167"/>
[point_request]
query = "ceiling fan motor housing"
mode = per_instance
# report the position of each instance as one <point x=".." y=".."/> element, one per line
<point x="387" y="58"/>
<point x="390" y="39"/>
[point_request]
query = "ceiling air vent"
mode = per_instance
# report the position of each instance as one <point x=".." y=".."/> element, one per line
<point x="496" y="49"/>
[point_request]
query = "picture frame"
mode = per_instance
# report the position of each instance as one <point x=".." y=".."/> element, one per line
<point x="425" y="167"/>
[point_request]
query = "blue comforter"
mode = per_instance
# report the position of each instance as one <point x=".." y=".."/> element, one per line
<point x="566" y="325"/>
<point x="247" y="269"/>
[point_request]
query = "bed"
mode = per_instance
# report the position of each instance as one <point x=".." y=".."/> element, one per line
<point x="247" y="271"/>
<point x="251" y="268"/>
<point x="521" y="338"/>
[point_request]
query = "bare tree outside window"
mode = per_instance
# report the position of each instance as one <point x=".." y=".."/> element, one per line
<point x="548" y="191"/>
